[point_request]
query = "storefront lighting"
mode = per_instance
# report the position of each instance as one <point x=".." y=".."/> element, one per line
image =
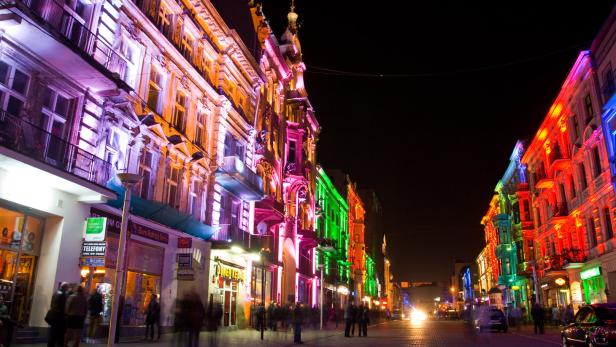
<point x="592" y="272"/>
<point x="560" y="281"/>
<point x="254" y="257"/>
<point x="84" y="272"/>
<point x="376" y="302"/>
<point x="343" y="290"/>
<point x="544" y="286"/>
<point x="237" y="249"/>
<point x="515" y="287"/>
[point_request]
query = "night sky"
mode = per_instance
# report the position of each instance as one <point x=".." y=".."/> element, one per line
<point x="433" y="145"/>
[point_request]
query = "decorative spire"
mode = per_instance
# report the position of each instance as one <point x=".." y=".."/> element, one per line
<point x="292" y="17"/>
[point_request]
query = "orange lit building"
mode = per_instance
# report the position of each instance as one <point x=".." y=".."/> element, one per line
<point x="356" y="239"/>
<point x="487" y="262"/>
<point x="571" y="192"/>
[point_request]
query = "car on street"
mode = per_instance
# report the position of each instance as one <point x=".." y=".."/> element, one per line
<point x="491" y="318"/>
<point x="593" y="325"/>
<point x="397" y="314"/>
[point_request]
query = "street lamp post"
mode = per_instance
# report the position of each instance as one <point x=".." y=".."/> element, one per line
<point x="263" y="253"/>
<point x="321" y="294"/>
<point x="128" y="181"/>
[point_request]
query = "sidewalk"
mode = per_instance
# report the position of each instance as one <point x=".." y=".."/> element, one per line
<point x="231" y="338"/>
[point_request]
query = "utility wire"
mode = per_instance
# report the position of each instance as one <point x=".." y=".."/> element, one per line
<point x="314" y="69"/>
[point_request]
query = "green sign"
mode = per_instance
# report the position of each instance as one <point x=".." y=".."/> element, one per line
<point x="95" y="229"/>
<point x="592" y="272"/>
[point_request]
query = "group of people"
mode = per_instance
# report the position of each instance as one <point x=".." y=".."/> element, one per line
<point x="278" y="316"/>
<point x="191" y="315"/>
<point x="562" y="315"/>
<point x="67" y="315"/>
<point x="354" y="315"/>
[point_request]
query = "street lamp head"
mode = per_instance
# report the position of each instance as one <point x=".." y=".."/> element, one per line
<point x="129" y="178"/>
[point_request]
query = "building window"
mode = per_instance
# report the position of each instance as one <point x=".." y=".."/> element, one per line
<point x="200" y="129"/>
<point x="145" y="170"/>
<point x="576" y="128"/>
<point x="179" y="112"/>
<point x="57" y="109"/>
<point x="607" y="219"/>
<point x="14" y="86"/>
<point x="172" y="187"/>
<point x="608" y="82"/>
<point x="187" y="47"/>
<point x="582" y="174"/>
<point x="571" y="186"/>
<point x="233" y="147"/>
<point x="592" y="233"/>
<point x="194" y="206"/>
<point x="164" y="21"/>
<point x="596" y="158"/>
<point x="292" y="151"/>
<point x="588" y="107"/>
<point x="155" y="89"/>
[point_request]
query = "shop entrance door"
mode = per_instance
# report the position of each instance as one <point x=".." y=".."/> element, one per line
<point x="229" y="294"/>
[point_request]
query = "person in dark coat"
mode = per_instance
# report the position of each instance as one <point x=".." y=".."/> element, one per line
<point x="358" y="317"/>
<point x="195" y="314"/>
<point x="214" y="315"/>
<point x="95" y="307"/>
<point x="152" y="318"/>
<point x="537" y="313"/>
<point x="364" y="319"/>
<point x="348" y="319"/>
<point x="353" y="319"/>
<point x="271" y="316"/>
<point x="56" y="318"/>
<point x="298" y="319"/>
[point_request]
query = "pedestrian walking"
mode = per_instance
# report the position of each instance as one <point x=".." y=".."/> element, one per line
<point x="364" y="320"/>
<point x="195" y="314"/>
<point x="8" y="324"/>
<point x="271" y="316"/>
<point x="353" y="319"/>
<point x="555" y="316"/>
<point x="55" y="317"/>
<point x="213" y="316"/>
<point x="152" y="318"/>
<point x="568" y="314"/>
<point x="537" y="313"/>
<point x="75" y="310"/>
<point x="298" y="319"/>
<point x="95" y="308"/>
<point x="348" y="313"/>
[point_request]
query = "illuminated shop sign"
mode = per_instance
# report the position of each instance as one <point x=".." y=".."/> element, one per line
<point x="592" y="272"/>
<point x="230" y="273"/>
<point x="95" y="229"/>
<point x="93" y="249"/>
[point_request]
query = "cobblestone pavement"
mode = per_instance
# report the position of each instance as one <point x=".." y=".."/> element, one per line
<point x="396" y="333"/>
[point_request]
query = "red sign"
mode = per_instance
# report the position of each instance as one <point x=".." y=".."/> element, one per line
<point x="184" y="242"/>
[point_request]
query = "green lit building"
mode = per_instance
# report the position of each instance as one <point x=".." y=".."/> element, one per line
<point x="371" y="281"/>
<point x="332" y="230"/>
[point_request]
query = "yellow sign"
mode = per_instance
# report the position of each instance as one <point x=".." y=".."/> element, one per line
<point x="228" y="272"/>
<point x="560" y="281"/>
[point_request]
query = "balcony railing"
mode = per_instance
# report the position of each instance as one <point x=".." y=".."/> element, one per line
<point x="560" y="210"/>
<point x="27" y="139"/>
<point x="239" y="179"/>
<point x="75" y="32"/>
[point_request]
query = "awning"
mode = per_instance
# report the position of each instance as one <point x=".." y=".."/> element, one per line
<point x="161" y="213"/>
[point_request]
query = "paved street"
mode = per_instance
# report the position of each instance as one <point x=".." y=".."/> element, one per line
<point x="396" y="333"/>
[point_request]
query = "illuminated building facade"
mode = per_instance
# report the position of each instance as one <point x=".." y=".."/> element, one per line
<point x="357" y="248"/>
<point x="572" y="195"/>
<point x="514" y="226"/>
<point x="332" y="229"/>
<point x="604" y="55"/>
<point x="388" y="276"/>
<point x="488" y="263"/>
<point x="373" y="238"/>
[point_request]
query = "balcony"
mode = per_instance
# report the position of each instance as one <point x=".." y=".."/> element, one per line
<point x="560" y="213"/>
<point x="238" y="179"/>
<point x="53" y="30"/>
<point x="26" y="143"/>
<point x="542" y="181"/>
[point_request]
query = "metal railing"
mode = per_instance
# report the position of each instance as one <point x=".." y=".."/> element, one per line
<point x="27" y="139"/>
<point x="64" y="20"/>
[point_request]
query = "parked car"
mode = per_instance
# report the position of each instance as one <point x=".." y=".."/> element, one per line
<point x="396" y="314"/>
<point x="491" y="318"/>
<point x="593" y="325"/>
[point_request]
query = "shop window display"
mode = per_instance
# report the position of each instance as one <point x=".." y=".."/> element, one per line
<point x="12" y="228"/>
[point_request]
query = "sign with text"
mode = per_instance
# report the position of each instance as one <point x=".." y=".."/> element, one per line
<point x="230" y="273"/>
<point x="185" y="261"/>
<point x="93" y="249"/>
<point x="184" y="242"/>
<point x="114" y="223"/>
<point x="92" y="261"/>
<point x="95" y="229"/>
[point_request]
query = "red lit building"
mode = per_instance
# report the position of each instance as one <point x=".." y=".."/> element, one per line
<point x="356" y="239"/>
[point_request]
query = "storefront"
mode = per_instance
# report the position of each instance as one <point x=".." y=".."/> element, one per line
<point x="555" y="289"/>
<point x="156" y="258"/>
<point x="230" y="284"/>
<point x="593" y="285"/>
<point x="13" y="225"/>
